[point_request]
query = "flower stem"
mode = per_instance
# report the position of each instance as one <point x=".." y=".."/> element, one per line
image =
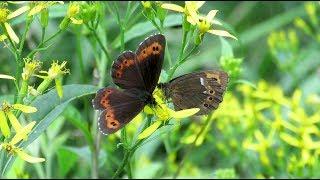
<point x="123" y="164"/>
<point x="41" y="45"/>
<point x="177" y="64"/>
<point x="187" y="154"/>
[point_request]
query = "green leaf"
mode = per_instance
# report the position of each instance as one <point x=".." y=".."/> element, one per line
<point x="75" y="118"/>
<point x="226" y="49"/>
<point x="85" y="154"/>
<point x="66" y="160"/>
<point x="8" y="98"/>
<point x="49" y="107"/>
<point x="143" y="28"/>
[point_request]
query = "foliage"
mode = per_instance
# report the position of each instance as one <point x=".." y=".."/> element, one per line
<point x="56" y="55"/>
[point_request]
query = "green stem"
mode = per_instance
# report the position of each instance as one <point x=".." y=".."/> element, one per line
<point x="101" y="44"/>
<point x="184" y="37"/>
<point x="123" y="164"/>
<point x="187" y="154"/>
<point x="130" y="151"/>
<point x="41" y="45"/>
<point x="177" y="64"/>
<point x="23" y="91"/>
<point x="129" y="170"/>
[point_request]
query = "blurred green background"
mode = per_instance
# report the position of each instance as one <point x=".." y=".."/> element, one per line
<point x="267" y="125"/>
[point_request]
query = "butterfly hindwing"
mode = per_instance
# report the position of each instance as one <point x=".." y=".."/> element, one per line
<point x="203" y="90"/>
<point x="117" y="108"/>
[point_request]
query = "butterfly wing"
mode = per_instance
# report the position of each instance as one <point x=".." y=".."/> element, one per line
<point x="117" y="108"/>
<point x="142" y="69"/>
<point x="125" y="71"/>
<point x="150" y="55"/>
<point x="202" y="90"/>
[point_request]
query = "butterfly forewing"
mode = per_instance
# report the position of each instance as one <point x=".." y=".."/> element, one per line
<point x="138" y="74"/>
<point x="142" y="69"/>
<point x="203" y="90"/>
<point x="117" y="108"/>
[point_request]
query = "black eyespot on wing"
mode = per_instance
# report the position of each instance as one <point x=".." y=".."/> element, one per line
<point x="150" y="55"/>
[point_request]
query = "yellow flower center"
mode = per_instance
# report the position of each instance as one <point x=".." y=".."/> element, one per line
<point x="204" y="26"/>
<point x="4" y="12"/>
<point x="8" y="147"/>
<point x="57" y="70"/>
<point x="73" y="10"/>
<point x="29" y="68"/>
<point x="146" y="4"/>
<point x="6" y="107"/>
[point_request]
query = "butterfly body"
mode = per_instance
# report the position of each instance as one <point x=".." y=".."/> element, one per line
<point x="137" y="74"/>
<point x="202" y="90"/>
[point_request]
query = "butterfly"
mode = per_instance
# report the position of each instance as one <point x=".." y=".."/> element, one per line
<point x="203" y="90"/>
<point x="137" y="74"/>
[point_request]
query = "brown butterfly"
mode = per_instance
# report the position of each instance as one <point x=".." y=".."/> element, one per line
<point x="203" y="90"/>
<point x="137" y="74"/>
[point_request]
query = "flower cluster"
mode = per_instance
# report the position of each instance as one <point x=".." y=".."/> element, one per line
<point x="163" y="113"/>
<point x="203" y="23"/>
<point x="21" y="132"/>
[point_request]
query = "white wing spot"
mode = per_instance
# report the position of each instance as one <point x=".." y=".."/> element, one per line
<point x="202" y="81"/>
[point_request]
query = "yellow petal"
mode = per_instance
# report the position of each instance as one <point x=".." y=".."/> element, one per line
<point x="259" y="136"/>
<point x="211" y="15"/>
<point x="222" y="33"/>
<point x="28" y="158"/>
<point x="17" y="2"/>
<point x="18" y="12"/>
<point x="14" y="121"/>
<point x="216" y="22"/>
<point x="3" y="37"/>
<point x="172" y="7"/>
<point x="148" y="110"/>
<point x="11" y="33"/>
<point x="35" y="10"/>
<point x="24" y="108"/>
<point x="290" y="140"/>
<point x="76" y="21"/>
<point x="23" y="133"/>
<point x="3" y="76"/>
<point x="194" y="5"/>
<point x="5" y="130"/>
<point x="183" y="113"/>
<point x="147" y="132"/>
<point x="192" y="20"/>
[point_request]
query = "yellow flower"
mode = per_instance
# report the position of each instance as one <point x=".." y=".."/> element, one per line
<point x="5" y="16"/>
<point x="54" y="73"/>
<point x="73" y="11"/>
<point x="146" y="4"/>
<point x="3" y="37"/>
<point x="30" y="66"/>
<point x="190" y="9"/>
<point x="163" y="113"/>
<point x="6" y="111"/>
<point x="204" y="24"/>
<point x="262" y="146"/>
<point x="12" y="149"/>
<point x="40" y="6"/>
<point x="55" y="70"/>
